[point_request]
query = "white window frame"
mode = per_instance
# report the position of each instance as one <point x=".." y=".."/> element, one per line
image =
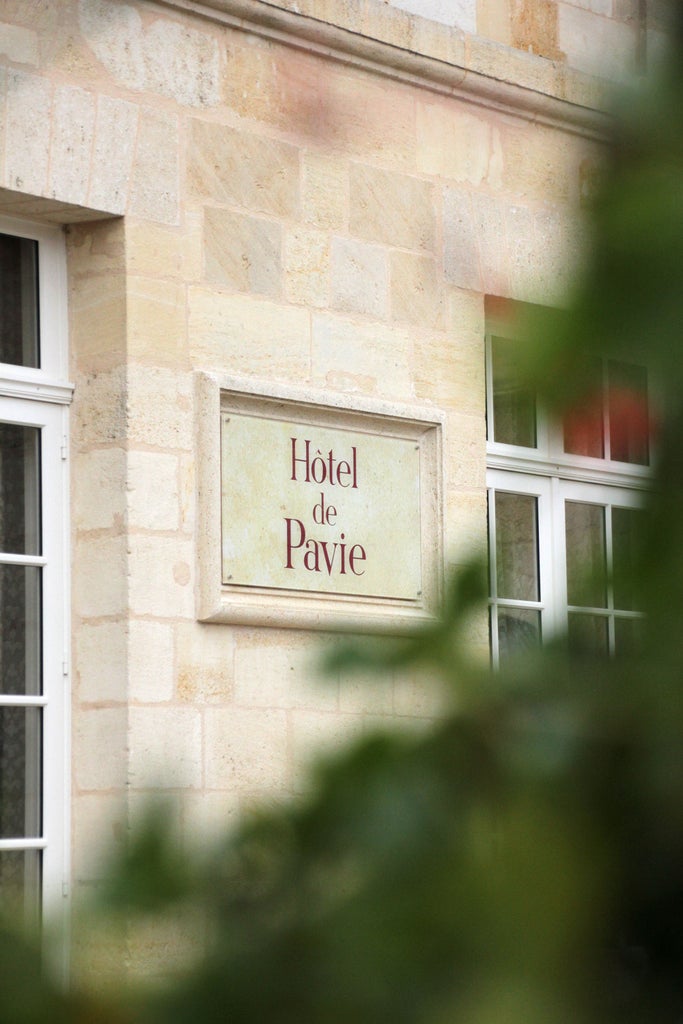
<point x="40" y="398"/>
<point x="553" y="476"/>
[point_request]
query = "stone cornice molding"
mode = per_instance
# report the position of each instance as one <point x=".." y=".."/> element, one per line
<point x="424" y="54"/>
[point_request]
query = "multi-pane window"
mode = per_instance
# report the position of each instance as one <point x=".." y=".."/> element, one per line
<point x="564" y="505"/>
<point x="33" y="586"/>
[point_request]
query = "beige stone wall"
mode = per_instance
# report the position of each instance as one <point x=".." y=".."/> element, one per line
<point x="330" y="215"/>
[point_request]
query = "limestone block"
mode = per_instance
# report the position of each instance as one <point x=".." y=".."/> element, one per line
<point x="365" y="696"/>
<point x="307" y="267"/>
<point x="370" y="358"/>
<point x="493" y="20"/>
<point x="154" y="250"/>
<point x="100" y="741"/>
<point x="457" y="144"/>
<point x="71" y="144"/>
<point x="416" y="292"/>
<point x="316" y="735"/>
<point x="207" y="817"/>
<point x="230" y="166"/>
<point x="99" y="482"/>
<point x="95" y="250"/>
<point x="460" y="240"/>
<point x="525" y="257"/>
<point x="154" y="192"/>
<point x="245" y="334"/>
<point x="150" y="661"/>
<point x="99" y="577"/>
<point x="597" y="45"/>
<point x="159" y="55"/>
<point x="459" y="13"/>
<point x="283" y="675"/>
<point x="29" y="102"/>
<point x="465" y="525"/>
<point x="152" y="491"/>
<point x="324" y="190"/>
<point x="98" y="322"/>
<point x="100" y="662"/>
<point x="99" y="824"/>
<point x="534" y="28"/>
<point x="360" y="278"/>
<point x="243" y="252"/>
<point x="465" y="452"/>
<point x="98" y="414"/>
<point x="161" y="576"/>
<point x="467" y="313"/>
<point x="392" y="208"/>
<point x="205" y="656"/>
<point x="540" y="163"/>
<point x="112" y="157"/>
<point x="165" y="748"/>
<point x="18" y="45"/>
<point x="156" y="321"/>
<point x="245" y="750"/>
<point x="370" y="118"/>
<point x="416" y="695"/>
<point x="489" y="221"/>
<point x="561" y="238"/>
<point x="449" y="370"/>
<point x="160" y="408"/>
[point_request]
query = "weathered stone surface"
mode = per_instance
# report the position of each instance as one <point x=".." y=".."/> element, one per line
<point x="205" y="656"/>
<point x="460" y="240"/>
<point x="248" y="334"/>
<point x="595" y="44"/>
<point x="245" y="750"/>
<point x="153" y="55"/>
<point x="29" y="102"/>
<point x="18" y="44"/>
<point x="360" y="278"/>
<point x="459" y="13"/>
<point x="151" y="668"/>
<point x="230" y="166"/>
<point x="155" y="182"/>
<point x="307" y="267"/>
<point x="416" y="290"/>
<point x="243" y="253"/>
<point x="325" y="191"/>
<point x="369" y="358"/>
<point x="112" y="157"/>
<point x="165" y="747"/>
<point x="152" y="491"/>
<point x="457" y="144"/>
<point x="391" y="208"/>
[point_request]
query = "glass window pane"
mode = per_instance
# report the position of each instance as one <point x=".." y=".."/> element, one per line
<point x="626" y="524"/>
<point x="19" y="489"/>
<point x="629" y="418"/>
<point x="20" y="878"/>
<point x="586" y="561"/>
<point x="514" y="404"/>
<point x="517" y="546"/>
<point x="20" y="810"/>
<point x="19" y="301"/>
<point x="20" y="629"/>
<point x="588" y="634"/>
<point x="518" y="630"/>
<point x="584" y="427"/>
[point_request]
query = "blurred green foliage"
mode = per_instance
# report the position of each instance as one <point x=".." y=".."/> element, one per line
<point x="521" y="861"/>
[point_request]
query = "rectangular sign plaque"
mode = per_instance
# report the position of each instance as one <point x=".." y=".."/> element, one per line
<point x="316" y="514"/>
<point x="316" y="508"/>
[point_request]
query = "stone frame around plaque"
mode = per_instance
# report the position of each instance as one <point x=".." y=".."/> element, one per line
<point x="219" y="600"/>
